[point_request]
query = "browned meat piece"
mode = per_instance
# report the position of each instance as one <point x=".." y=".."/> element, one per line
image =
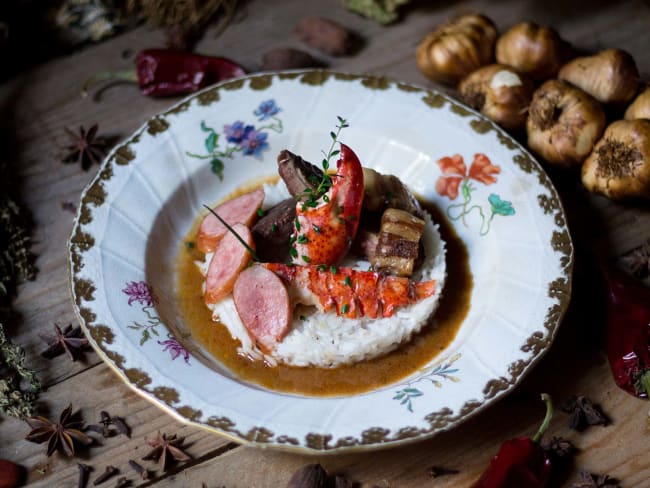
<point x="387" y="191"/>
<point x="298" y="174"/>
<point x="365" y="244"/>
<point x="398" y="244"/>
<point x="272" y="232"/>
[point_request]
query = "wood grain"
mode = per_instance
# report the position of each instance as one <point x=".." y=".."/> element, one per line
<point x="38" y="104"/>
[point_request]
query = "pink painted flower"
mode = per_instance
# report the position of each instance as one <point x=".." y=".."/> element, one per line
<point x="141" y="292"/>
<point x="175" y="349"/>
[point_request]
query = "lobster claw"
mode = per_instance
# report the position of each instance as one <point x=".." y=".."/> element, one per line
<point x="323" y="234"/>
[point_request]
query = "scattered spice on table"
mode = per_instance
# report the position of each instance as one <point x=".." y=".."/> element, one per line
<point x="68" y="206"/>
<point x="438" y="471"/>
<point x="60" y="436"/>
<point x="520" y="462"/>
<point x="628" y="332"/>
<point x="123" y="482"/>
<point x="106" y="424"/>
<point x="167" y="72"/>
<point x="637" y="261"/>
<point x="84" y="472"/>
<point x="590" y="480"/>
<point x="70" y="341"/>
<point x="164" y="447"/>
<point x="108" y="473"/>
<point x="583" y="412"/>
<point x="142" y="471"/>
<point x="85" y="148"/>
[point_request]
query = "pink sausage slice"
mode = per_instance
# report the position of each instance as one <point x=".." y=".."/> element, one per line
<point x="242" y="209"/>
<point x="262" y="302"/>
<point x="229" y="258"/>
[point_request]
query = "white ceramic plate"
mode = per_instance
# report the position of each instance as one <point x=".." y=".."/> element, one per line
<point x="134" y="216"/>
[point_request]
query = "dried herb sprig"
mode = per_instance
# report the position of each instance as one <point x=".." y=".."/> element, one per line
<point x="70" y="341"/>
<point x="164" y="447"/>
<point x="61" y="435"/>
<point x="311" y="196"/>
<point x="16" y="400"/>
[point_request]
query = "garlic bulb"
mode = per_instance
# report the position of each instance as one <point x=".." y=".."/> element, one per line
<point x="640" y="106"/>
<point x="619" y="165"/>
<point x="457" y="48"/>
<point x="611" y="76"/>
<point x="535" y="51"/>
<point x="563" y="123"/>
<point x="500" y="93"/>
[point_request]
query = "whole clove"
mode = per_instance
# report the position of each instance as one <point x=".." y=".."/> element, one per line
<point x="84" y="471"/>
<point x="583" y="413"/>
<point x="325" y="35"/>
<point x="106" y="422"/>
<point x="143" y="472"/>
<point x="123" y="482"/>
<point x="109" y="472"/>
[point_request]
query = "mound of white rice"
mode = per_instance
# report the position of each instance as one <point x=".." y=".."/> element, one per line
<point x="327" y="340"/>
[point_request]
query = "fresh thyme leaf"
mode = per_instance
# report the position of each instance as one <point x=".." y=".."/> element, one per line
<point x="306" y="259"/>
<point x="260" y="212"/>
<point x="345" y="308"/>
<point x="347" y="281"/>
<point x="302" y="239"/>
<point x="274" y="228"/>
<point x="316" y="228"/>
<point x="333" y="269"/>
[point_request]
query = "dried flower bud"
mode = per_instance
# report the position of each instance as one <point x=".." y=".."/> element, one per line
<point x="309" y="476"/>
<point x="610" y="76"/>
<point x="457" y="48"/>
<point x="640" y="106"/>
<point x="563" y="123"/>
<point x="500" y="93"/>
<point x="532" y="50"/>
<point x="619" y="165"/>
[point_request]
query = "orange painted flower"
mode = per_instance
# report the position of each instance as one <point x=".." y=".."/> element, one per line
<point x="454" y="172"/>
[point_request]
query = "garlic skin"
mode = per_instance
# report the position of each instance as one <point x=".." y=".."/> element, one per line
<point x="457" y="48"/>
<point x="640" y="106"/>
<point x="535" y="51"/>
<point x="500" y="93"/>
<point x="563" y="123"/>
<point x="619" y="165"/>
<point x="611" y="76"/>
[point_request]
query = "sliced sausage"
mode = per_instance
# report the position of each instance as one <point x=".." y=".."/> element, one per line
<point x="262" y="302"/>
<point x="230" y="257"/>
<point x="242" y="209"/>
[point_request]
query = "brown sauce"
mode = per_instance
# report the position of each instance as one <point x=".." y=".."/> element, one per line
<point x="343" y="380"/>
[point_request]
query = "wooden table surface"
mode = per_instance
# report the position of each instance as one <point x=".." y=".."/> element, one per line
<point x="36" y="107"/>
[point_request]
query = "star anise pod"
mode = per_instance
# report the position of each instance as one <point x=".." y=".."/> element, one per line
<point x="165" y="446"/>
<point x="583" y="413"/>
<point x="637" y="261"/>
<point x="85" y="148"/>
<point x="69" y="340"/>
<point x="61" y="435"/>
<point x="558" y="448"/>
<point x="589" y="480"/>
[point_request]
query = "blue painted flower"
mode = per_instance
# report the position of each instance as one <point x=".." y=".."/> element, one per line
<point x="267" y="109"/>
<point x="500" y="207"/>
<point x="237" y="131"/>
<point x="254" y="143"/>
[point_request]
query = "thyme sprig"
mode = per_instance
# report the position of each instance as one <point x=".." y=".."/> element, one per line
<point x="313" y="195"/>
<point x="234" y="232"/>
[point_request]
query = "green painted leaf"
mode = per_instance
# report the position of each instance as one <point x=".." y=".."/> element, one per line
<point x="466" y="190"/>
<point x="205" y="128"/>
<point x="216" y="165"/>
<point x="500" y="207"/>
<point x="211" y="141"/>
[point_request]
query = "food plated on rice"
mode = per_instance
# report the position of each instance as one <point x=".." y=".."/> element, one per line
<point x="326" y="270"/>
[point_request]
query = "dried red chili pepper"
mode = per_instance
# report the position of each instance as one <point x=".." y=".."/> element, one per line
<point x="520" y="462"/>
<point x="628" y="332"/>
<point x="165" y="72"/>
